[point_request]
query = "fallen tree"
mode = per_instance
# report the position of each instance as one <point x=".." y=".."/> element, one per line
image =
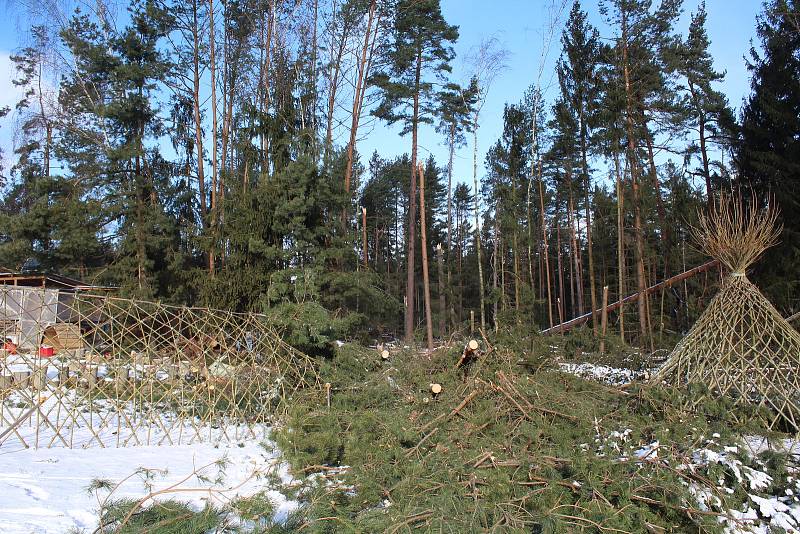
<point x="581" y="319"/>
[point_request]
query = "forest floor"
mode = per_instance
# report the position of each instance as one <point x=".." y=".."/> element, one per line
<point x="531" y="435"/>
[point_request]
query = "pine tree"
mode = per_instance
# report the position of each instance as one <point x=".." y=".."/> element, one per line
<point x="108" y="136"/>
<point x="639" y="58"/>
<point x="711" y="117"/>
<point x="455" y="110"/>
<point x="419" y="47"/>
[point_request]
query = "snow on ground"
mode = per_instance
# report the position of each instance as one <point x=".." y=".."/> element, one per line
<point x="142" y="447"/>
<point x="45" y="491"/>
<point x="612" y="376"/>
<point x="770" y="506"/>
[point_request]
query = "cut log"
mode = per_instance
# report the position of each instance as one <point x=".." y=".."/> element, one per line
<point x="385" y="354"/>
<point x="436" y="388"/>
<point x="469" y="353"/>
<point x="577" y="321"/>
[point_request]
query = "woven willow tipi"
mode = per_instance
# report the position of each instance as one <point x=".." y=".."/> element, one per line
<point x="741" y="347"/>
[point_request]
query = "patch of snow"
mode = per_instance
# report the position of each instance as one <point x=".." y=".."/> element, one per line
<point x="648" y="452"/>
<point x="612" y="376"/>
<point x="45" y="490"/>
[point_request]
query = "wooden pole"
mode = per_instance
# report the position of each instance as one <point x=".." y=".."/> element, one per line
<point x="425" y="279"/>
<point x="364" y="236"/>
<point x="560" y="306"/>
<point x="603" y="321"/>
<point x="632" y="298"/>
<point x="442" y="301"/>
<point x="620" y="247"/>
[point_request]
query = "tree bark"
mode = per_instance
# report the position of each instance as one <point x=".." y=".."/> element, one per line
<point x="620" y="245"/>
<point x="358" y="98"/>
<point x="559" y="266"/>
<point x="545" y="248"/>
<point x="451" y="146"/>
<point x="364" y="237"/>
<point x="576" y="252"/>
<point x="495" y="253"/>
<point x="264" y="83"/>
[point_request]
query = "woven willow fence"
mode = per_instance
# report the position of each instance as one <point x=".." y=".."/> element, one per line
<point x="128" y="372"/>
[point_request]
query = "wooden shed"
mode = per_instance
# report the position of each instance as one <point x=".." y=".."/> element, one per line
<point x="35" y="309"/>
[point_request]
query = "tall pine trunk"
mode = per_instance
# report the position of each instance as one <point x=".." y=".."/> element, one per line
<point x="545" y="248"/>
<point x="588" y="216"/>
<point x="198" y="122"/>
<point x="620" y="244"/>
<point x="264" y="79"/>
<point x="425" y="277"/>
<point x="412" y="207"/>
<point x="482" y="290"/>
<point x="495" y="253"/>
<point x="214" y="129"/>
<point x="442" y="302"/>
<point x="451" y="146"/>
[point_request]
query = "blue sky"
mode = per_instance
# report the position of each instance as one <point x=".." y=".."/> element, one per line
<point x="519" y="25"/>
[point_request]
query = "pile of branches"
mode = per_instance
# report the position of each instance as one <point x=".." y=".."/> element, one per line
<point x="499" y="447"/>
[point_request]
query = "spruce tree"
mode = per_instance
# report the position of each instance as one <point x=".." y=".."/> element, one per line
<point x="768" y="152"/>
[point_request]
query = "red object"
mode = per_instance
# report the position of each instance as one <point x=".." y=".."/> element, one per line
<point x="46" y="351"/>
<point x="10" y="347"/>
